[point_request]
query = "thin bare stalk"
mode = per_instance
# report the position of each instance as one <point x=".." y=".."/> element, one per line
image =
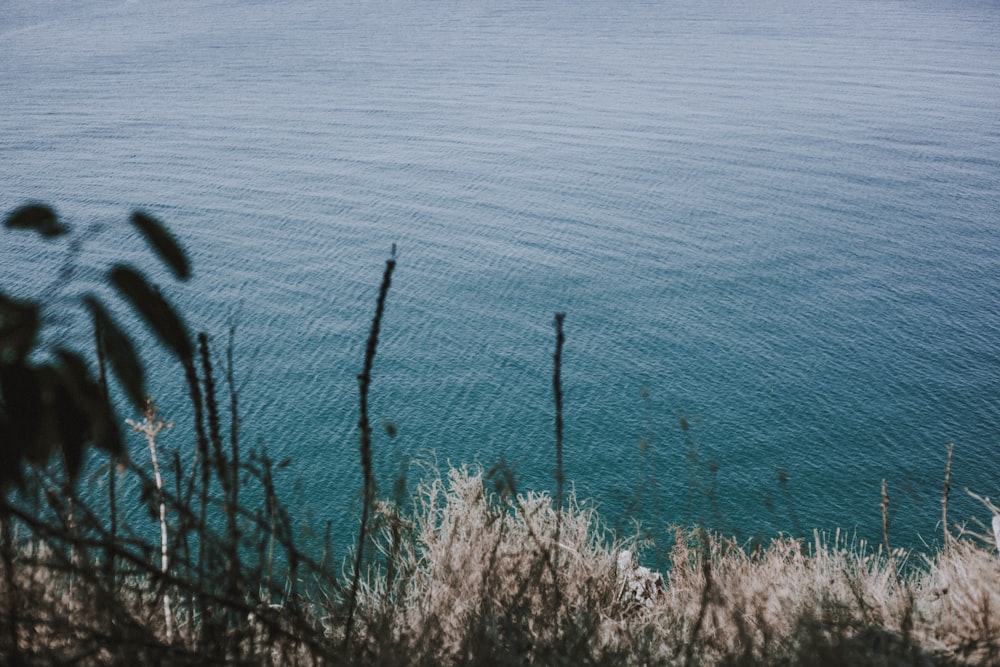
<point x="201" y="458"/>
<point x="150" y="427"/>
<point x="705" y="552"/>
<point x="885" y="531"/>
<point x="212" y="407"/>
<point x="222" y="471"/>
<point x="102" y="379"/>
<point x="272" y="509"/>
<point x="234" y="425"/>
<point x="557" y="390"/>
<point x="944" y="498"/>
<point x="364" y="382"/>
<point x="222" y="466"/>
<point x="74" y="556"/>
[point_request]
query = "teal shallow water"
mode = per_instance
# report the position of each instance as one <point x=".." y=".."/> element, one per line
<point x="777" y="221"/>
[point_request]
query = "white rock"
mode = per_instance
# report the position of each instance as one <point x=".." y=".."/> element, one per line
<point x="639" y="584"/>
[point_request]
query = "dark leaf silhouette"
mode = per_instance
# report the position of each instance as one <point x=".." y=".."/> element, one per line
<point x="20" y="391"/>
<point x="88" y="407"/>
<point x="154" y="309"/>
<point x="19" y="323"/>
<point x="163" y="243"/>
<point x="55" y="404"/>
<point x="37" y="217"/>
<point x="73" y="428"/>
<point x="11" y="455"/>
<point x="121" y="353"/>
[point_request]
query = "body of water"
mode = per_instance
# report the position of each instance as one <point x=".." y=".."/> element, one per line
<point x="775" y="222"/>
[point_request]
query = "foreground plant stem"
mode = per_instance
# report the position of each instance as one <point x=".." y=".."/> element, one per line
<point x="364" y="381"/>
<point x="151" y="427"/>
<point x="557" y="390"/>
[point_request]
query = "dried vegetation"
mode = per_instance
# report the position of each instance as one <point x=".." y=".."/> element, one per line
<point x="467" y="577"/>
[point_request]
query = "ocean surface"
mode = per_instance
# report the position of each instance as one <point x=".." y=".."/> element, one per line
<point x="772" y="222"/>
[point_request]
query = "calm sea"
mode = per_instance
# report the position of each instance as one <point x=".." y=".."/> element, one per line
<point x="773" y="221"/>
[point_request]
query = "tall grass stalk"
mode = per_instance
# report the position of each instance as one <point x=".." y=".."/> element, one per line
<point x="705" y="601"/>
<point x="944" y="497"/>
<point x="885" y="531"/>
<point x="557" y="392"/>
<point x="222" y="467"/>
<point x="368" y="499"/>
<point x="102" y="383"/>
<point x="199" y="602"/>
<point x="234" y="432"/>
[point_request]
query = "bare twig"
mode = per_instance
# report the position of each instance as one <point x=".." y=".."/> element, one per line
<point x="234" y="427"/>
<point x="102" y="381"/>
<point x="944" y="498"/>
<point x="364" y="381"/>
<point x="885" y="531"/>
<point x="557" y="390"/>
<point x="151" y="427"/>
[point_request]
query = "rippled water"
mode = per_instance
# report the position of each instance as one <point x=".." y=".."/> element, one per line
<point x="774" y="221"/>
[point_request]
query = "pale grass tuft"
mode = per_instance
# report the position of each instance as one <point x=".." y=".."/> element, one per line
<point x="477" y="573"/>
<point x="960" y="603"/>
<point x="465" y="577"/>
<point x="474" y="586"/>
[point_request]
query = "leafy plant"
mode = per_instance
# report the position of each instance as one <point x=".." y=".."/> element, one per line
<point x="50" y="401"/>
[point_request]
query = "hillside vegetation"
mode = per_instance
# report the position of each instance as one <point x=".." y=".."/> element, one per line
<point x="467" y="570"/>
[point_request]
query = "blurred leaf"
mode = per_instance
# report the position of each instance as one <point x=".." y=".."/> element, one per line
<point x="19" y="389"/>
<point x="154" y="309"/>
<point x="19" y="322"/>
<point x="163" y="243"/>
<point x="73" y="429"/>
<point x="30" y="394"/>
<point x="37" y="217"/>
<point x="101" y="425"/>
<point x="11" y="454"/>
<point x="121" y="353"/>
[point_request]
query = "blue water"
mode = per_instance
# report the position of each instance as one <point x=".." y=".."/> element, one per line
<point x="775" y="221"/>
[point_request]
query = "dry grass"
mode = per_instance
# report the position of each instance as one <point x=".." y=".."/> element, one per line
<point x="467" y="578"/>
<point x="472" y="584"/>
<point x="474" y="579"/>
